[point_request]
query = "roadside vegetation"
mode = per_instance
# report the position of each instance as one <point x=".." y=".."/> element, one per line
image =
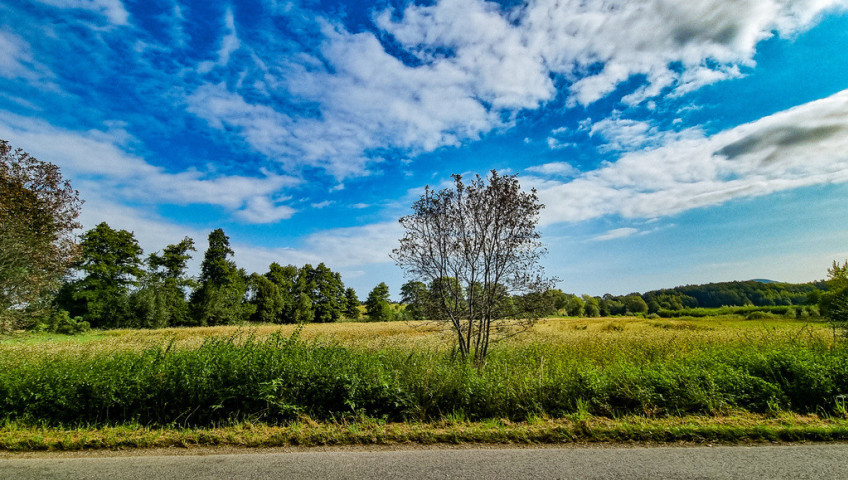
<point x="713" y="378"/>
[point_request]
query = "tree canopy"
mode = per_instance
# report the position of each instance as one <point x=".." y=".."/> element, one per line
<point x="38" y="213"/>
<point x="476" y="244"/>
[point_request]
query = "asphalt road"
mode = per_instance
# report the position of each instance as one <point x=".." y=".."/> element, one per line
<point x="822" y="461"/>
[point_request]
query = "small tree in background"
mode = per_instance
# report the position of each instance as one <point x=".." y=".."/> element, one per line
<point x="351" y="309"/>
<point x="482" y="237"/>
<point x="377" y="306"/>
<point x="38" y="213"/>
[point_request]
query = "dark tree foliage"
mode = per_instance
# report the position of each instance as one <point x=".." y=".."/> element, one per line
<point x="327" y="293"/>
<point x="38" y="213"/>
<point x="161" y="299"/>
<point x="351" y="309"/>
<point x="377" y="305"/>
<point x="285" y="278"/>
<point x="220" y="297"/>
<point x="482" y="236"/>
<point x="834" y="303"/>
<point x="416" y="297"/>
<point x="291" y="295"/>
<point x="267" y="300"/>
<point x="111" y="265"/>
<point x="714" y="295"/>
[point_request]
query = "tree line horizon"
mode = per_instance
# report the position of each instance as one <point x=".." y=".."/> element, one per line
<point x="116" y="288"/>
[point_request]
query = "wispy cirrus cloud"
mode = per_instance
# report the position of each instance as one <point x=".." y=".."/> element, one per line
<point x="617" y="233"/>
<point x="113" y="10"/>
<point x="802" y="146"/>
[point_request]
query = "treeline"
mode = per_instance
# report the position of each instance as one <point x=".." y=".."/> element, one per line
<point x="751" y="292"/>
<point x="739" y="297"/>
<point x="115" y="287"/>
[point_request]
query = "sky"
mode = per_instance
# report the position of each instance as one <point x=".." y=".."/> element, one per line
<point x="671" y="142"/>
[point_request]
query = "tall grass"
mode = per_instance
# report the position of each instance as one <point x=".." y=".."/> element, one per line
<point x="278" y="378"/>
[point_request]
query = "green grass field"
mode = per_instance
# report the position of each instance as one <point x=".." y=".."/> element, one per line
<point x="572" y="379"/>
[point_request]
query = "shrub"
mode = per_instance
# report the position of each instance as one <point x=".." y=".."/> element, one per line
<point x="760" y="316"/>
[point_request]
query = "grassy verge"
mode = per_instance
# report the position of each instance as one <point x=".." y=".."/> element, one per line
<point x="731" y="429"/>
<point x="278" y="379"/>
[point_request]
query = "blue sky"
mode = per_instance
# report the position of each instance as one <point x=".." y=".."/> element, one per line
<point x="672" y="142"/>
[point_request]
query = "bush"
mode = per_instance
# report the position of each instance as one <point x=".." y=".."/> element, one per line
<point x="760" y="316"/>
<point x="60" y="321"/>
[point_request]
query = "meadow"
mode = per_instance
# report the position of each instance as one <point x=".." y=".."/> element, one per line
<point x="575" y="370"/>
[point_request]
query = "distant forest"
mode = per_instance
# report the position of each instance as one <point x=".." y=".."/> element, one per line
<point x="752" y="292"/>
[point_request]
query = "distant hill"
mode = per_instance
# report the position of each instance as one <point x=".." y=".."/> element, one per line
<point x="760" y="293"/>
<point x="764" y="280"/>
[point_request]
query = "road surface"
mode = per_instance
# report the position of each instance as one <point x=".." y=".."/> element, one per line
<point x="817" y="461"/>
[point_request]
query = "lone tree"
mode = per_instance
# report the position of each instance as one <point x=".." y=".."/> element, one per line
<point x="38" y="213"/>
<point x="476" y="245"/>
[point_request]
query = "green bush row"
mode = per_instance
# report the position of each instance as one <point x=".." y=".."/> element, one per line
<point x="750" y="311"/>
<point x="278" y="379"/>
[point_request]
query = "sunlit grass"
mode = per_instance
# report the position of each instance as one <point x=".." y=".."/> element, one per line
<point x="577" y="370"/>
<point x="580" y="334"/>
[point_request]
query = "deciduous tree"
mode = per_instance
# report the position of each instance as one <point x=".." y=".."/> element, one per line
<point x="377" y="306"/>
<point x="483" y="236"/>
<point x="111" y="266"/>
<point x="161" y="300"/>
<point x="38" y="213"/>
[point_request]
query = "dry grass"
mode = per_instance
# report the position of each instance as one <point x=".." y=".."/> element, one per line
<point x="730" y="429"/>
<point x="585" y="335"/>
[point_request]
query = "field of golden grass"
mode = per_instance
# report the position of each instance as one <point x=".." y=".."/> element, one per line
<point x="590" y="336"/>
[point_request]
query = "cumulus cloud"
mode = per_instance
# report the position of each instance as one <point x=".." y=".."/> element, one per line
<point x="802" y="146"/>
<point x="443" y="74"/>
<point x="554" y="169"/>
<point x="628" y="135"/>
<point x="99" y="162"/>
<point x="707" y="39"/>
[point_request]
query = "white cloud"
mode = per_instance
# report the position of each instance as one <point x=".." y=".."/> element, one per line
<point x="476" y="64"/>
<point x="98" y="162"/>
<point x="554" y="169"/>
<point x="709" y="39"/>
<point x="338" y="248"/>
<point x="623" y="134"/>
<point x="486" y="48"/>
<point x="229" y="44"/>
<point x="113" y="10"/>
<point x="14" y="56"/>
<point x="617" y="233"/>
<point x="806" y="145"/>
